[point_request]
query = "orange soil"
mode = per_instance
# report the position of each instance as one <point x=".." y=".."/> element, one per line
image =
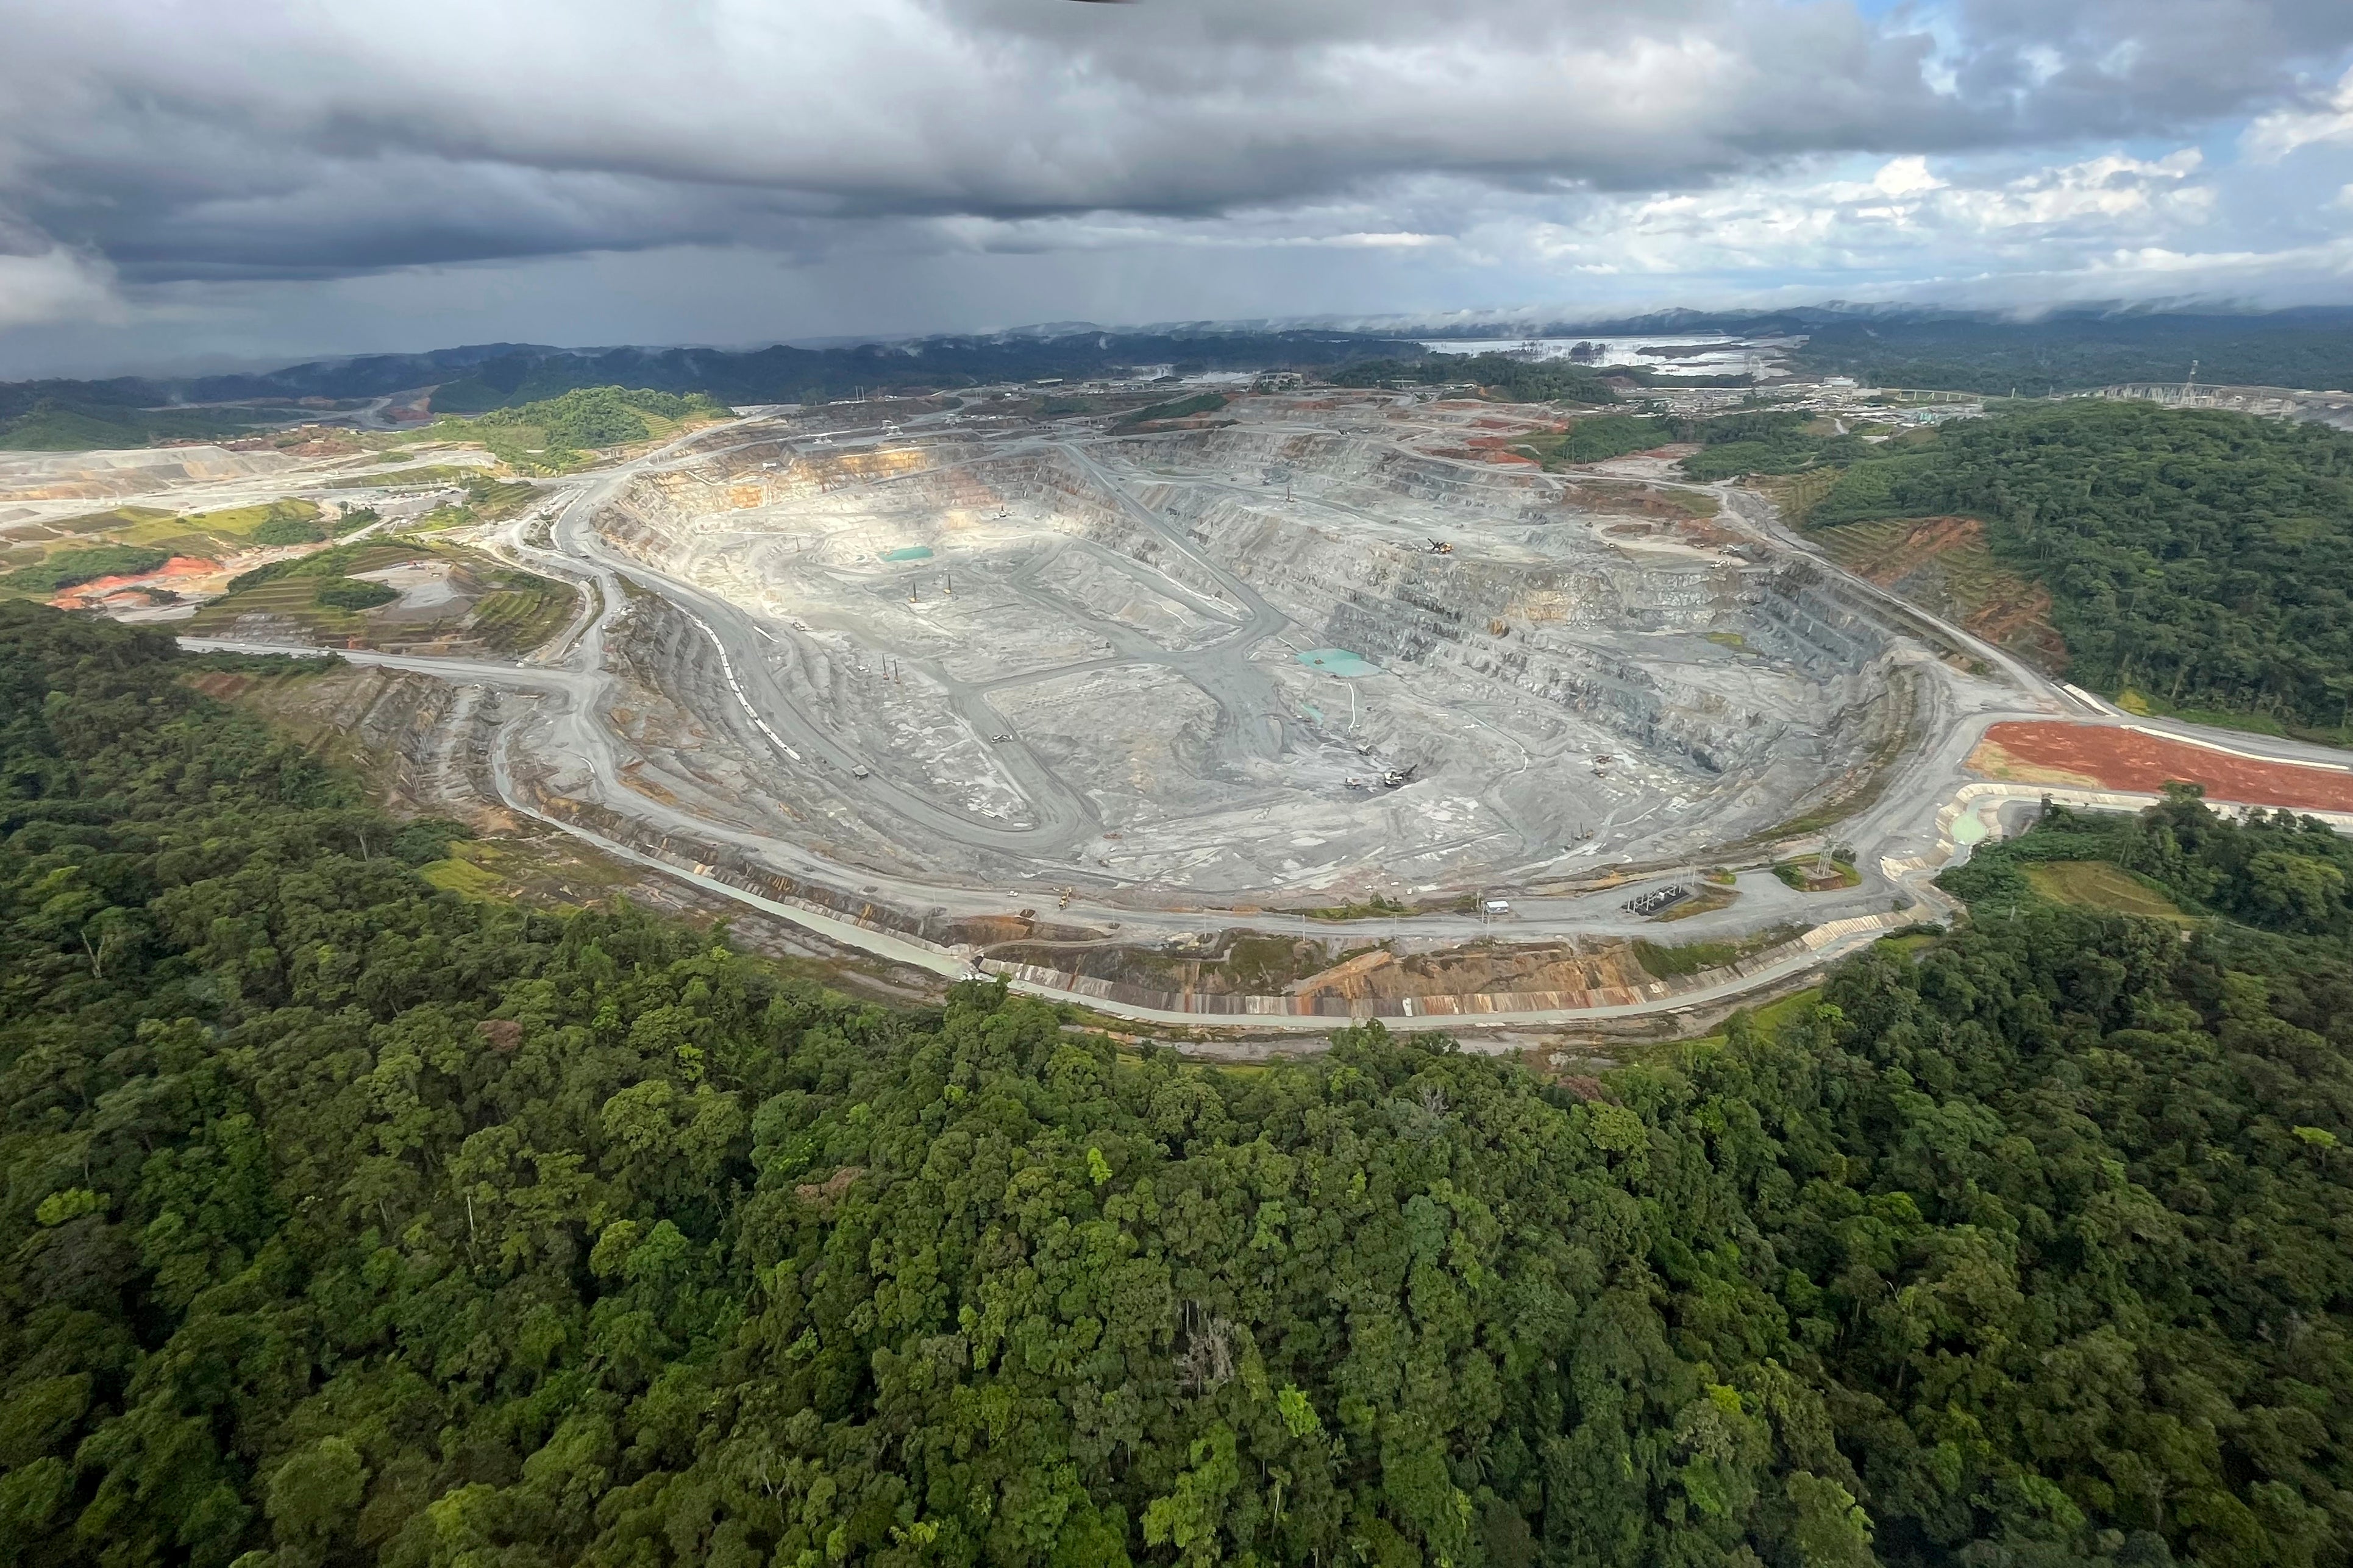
<point x="2023" y="623"/>
<point x="2016" y="616"/>
<point x="1990" y="761"/>
<point x="178" y="569"/>
<point x="1930" y="537"/>
<point x="2124" y="759"/>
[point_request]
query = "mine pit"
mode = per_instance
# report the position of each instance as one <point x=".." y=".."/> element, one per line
<point x="1135" y="660"/>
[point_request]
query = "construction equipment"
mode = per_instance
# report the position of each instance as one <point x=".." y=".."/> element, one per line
<point x="1440" y="547"/>
<point x="1397" y="778"/>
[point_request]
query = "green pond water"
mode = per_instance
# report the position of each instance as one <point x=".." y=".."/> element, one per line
<point x="1339" y="661"/>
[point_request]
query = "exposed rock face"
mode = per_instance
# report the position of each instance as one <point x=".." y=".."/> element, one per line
<point x="1098" y="651"/>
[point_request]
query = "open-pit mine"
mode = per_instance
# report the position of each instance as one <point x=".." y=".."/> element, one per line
<point x="1296" y="706"/>
<point x="1280" y="660"/>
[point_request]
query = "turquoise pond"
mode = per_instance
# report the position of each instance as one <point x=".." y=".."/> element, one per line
<point x="909" y="553"/>
<point x="1339" y="661"/>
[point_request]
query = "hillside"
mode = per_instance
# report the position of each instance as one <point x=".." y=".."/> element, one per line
<point x="563" y="432"/>
<point x="131" y="411"/>
<point x="2196" y="560"/>
<point x="352" y="1221"/>
<point x="1996" y="353"/>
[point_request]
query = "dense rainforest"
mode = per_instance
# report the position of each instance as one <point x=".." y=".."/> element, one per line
<point x="351" y="1222"/>
<point x="2071" y="350"/>
<point x="2203" y="557"/>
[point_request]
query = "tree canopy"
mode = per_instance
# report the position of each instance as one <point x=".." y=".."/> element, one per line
<point x="351" y="1222"/>
<point x="1519" y="380"/>
<point x="2201" y="556"/>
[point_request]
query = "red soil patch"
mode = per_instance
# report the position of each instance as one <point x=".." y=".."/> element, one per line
<point x="2125" y="759"/>
<point x="1929" y="537"/>
<point x="177" y="567"/>
<point x="2021" y="621"/>
<point x="1496" y="449"/>
<point x="2014" y="612"/>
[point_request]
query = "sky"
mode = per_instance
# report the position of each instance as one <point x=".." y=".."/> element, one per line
<point x="195" y="183"/>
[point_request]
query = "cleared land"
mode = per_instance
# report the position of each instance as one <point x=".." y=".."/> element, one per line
<point x="2114" y="757"/>
<point x="1942" y="564"/>
<point x="2095" y="884"/>
<point x="444" y="600"/>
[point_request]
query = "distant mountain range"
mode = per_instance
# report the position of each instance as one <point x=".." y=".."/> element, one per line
<point x="1886" y="346"/>
<point x="68" y="414"/>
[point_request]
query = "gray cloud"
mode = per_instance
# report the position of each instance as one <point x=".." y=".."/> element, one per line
<point x="229" y="172"/>
<point x="261" y="139"/>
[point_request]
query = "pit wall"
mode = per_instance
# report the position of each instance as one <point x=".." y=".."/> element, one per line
<point x="1548" y="629"/>
<point x="735" y="869"/>
<point x="1394" y="604"/>
<point x="1467" y="1005"/>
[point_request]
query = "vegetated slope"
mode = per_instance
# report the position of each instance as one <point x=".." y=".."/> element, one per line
<point x="1177" y="408"/>
<point x="76" y="416"/>
<point x="1597" y="437"/>
<point x="558" y="434"/>
<point x="1519" y="380"/>
<point x="68" y="568"/>
<point x="490" y="607"/>
<point x="352" y="1222"/>
<point x="1943" y="565"/>
<point x="60" y="414"/>
<point x="1763" y="441"/>
<point x="785" y="374"/>
<point x="2073" y="350"/>
<point x="2202" y="558"/>
<point x="128" y="540"/>
<point x="502" y="375"/>
<point x="2066" y="351"/>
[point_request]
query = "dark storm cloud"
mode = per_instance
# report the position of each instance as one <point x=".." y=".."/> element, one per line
<point x="207" y="140"/>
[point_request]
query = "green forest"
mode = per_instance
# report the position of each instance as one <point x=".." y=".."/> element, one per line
<point x="1511" y="378"/>
<point x="558" y="433"/>
<point x="2069" y="351"/>
<point x="1762" y="441"/>
<point x="2202" y="557"/>
<point x="34" y="419"/>
<point x="351" y="1222"/>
